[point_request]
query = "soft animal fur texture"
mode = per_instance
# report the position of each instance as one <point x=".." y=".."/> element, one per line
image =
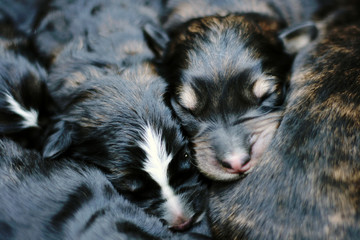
<point x="227" y="78"/>
<point x="307" y="184"/>
<point x="65" y="21"/>
<point x="114" y="116"/>
<point x="26" y="108"/>
<point x="67" y="200"/>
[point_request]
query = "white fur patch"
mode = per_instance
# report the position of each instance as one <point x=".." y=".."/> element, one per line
<point x="188" y="97"/>
<point x="156" y="165"/>
<point x="30" y="117"/>
<point x="261" y="87"/>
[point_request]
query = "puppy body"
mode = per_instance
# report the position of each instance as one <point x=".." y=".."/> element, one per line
<point x="65" y="21"/>
<point x="114" y="116"/>
<point x="66" y="200"/>
<point x="291" y="11"/>
<point x="227" y="76"/>
<point x="307" y="185"/>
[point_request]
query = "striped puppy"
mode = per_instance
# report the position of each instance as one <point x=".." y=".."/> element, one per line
<point x="307" y="185"/>
<point x="67" y="200"/>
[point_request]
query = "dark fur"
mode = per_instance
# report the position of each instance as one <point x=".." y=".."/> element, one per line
<point x="109" y="94"/>
<point x="67" y="20"/>
<point x="291" y="11"/>
<point x="307" y="185"/>
<point x="20" y="17"/>
<point x="104" y="124"/>
<point x="25" y="83"/>
<point x="67" y="200"/>
<point x="235" y="67"/>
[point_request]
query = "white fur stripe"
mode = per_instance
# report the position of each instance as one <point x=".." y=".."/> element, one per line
<point x="157" y="164"/>
<point x="30" y="117"/>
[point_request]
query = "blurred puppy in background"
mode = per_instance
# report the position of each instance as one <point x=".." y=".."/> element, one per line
<point x="307" y="184"/>
<point x="227" y="77"/>
<point x="65" y="21"/>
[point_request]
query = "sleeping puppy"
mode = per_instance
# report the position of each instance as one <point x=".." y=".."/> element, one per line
<point x="120" y="123"/>
<point x="65" y="21"/>
<point x="26" y="108"/>
<point x="113" y="112"/>
<point x="307" y="185"/>
<point x="67" y="200"/>
<point x="227" y="76"/>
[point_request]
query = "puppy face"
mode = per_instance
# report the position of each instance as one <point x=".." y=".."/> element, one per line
<point x="122" y="125"/>
<point x="227" y="77"/>
<point x="82" y="203"/>
<point x="310" y="177"/>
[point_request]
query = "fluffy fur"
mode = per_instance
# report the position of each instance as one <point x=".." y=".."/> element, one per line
<point x="307" y="185"/>
<point x="67" y="200"/>
<point x="119" y="125"/>
<point x="68" y="20"/>
<point x="114" y="117"/>
<point x="26" y="107"/>
<point x="227" y="77"/>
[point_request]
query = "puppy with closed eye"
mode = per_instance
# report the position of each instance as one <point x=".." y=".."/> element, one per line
<point x="114" y="116"/>
<point x="227" y="77"/>
<point x="66" y="199"/>
<point x="307" y="184"/>
<point x="72" y="187"/>
<point x="121" y="124"/>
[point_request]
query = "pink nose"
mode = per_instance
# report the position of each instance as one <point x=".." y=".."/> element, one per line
<point x="181" y="224"/>
<point x="237" y="163"/>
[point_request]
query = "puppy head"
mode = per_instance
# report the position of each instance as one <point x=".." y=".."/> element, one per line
<point x="126" y="130"/>
<point x="26" y="107"/>
<point x="227" y="78"/>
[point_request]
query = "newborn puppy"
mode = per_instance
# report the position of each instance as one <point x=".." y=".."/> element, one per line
<point x="67" y="200"/>
<point x="227" y="77"/>
<point x="120" y="123"/>
<point x="114" y="116"/>
<point x="307" y="185"/>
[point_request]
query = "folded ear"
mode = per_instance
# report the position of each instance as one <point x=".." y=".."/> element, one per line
<point x="298" y="36"/>
<point x="156" y="38"/>
<point x="59" y="141"/>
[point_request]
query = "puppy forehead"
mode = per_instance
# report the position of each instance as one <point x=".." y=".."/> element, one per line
<point x="220" y="54"/>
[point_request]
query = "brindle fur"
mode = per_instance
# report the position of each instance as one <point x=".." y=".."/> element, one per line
<point x="307" y="185"/>
<point x="218" y="62"/>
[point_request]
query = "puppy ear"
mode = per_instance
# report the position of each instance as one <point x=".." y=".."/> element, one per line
<point x="59" y="141"/>
<point x="298" y="36"/>
<point x="156" y="38"/>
